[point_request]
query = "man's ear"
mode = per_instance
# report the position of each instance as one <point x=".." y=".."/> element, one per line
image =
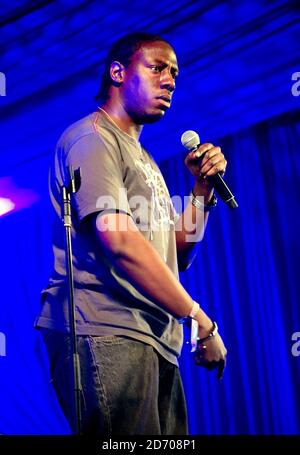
<point x="117" y="71"/>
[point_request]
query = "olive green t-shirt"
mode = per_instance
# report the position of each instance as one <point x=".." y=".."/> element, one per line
<point x="117" y="174"/>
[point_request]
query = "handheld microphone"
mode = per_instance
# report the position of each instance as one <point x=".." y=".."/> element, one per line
<point x="191" y="141"/>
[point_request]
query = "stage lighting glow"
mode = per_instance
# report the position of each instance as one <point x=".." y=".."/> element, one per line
<point x="6" y="206"/>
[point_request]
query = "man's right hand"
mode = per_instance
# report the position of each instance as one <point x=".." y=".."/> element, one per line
<point x="211" y="354"/>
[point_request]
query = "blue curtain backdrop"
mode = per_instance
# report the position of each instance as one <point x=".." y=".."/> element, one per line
<point x="245" y="276"/>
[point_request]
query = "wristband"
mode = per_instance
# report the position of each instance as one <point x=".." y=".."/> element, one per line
<point x="213" y="333"/>
<point x="204" y="207"/>
<point x="194" y="310"/>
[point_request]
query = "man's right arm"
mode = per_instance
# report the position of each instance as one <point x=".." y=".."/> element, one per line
<point x="143" y="267"/>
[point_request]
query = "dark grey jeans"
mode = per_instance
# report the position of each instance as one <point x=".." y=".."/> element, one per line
<point x="128" y="388"/>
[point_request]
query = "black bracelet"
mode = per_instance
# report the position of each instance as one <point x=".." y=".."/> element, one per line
<point x="213" y="332"/>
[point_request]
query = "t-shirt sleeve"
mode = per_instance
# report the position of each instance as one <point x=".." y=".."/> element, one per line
<point x="102" y="187"/>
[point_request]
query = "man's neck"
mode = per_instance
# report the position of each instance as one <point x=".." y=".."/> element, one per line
<point x="120" y="117"/>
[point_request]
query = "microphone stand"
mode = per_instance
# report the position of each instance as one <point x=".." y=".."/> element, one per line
<point x="71" y="188"/>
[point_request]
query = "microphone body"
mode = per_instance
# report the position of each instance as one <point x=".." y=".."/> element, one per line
<point x="223" y="190"/>
<point x="191" y="141"/>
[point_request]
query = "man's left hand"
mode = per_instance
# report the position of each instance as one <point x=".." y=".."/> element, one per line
<point x="206" y="161"/>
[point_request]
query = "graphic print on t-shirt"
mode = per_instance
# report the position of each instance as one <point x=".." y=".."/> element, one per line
<point x="160" y="201"/>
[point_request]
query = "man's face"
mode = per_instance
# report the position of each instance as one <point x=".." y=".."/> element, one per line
<point x="149" y="82"/>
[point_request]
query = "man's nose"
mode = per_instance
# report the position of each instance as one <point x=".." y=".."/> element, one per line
<point x="167" y="80"/>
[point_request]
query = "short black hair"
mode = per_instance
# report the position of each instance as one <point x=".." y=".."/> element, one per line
<point x="122" y="51"/>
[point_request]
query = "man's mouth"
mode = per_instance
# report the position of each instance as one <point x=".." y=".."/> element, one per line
<point x="164" y="101"/>
<point x="165" y="98"/>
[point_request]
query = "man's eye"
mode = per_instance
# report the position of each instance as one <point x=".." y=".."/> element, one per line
<point x="156" y="69"/>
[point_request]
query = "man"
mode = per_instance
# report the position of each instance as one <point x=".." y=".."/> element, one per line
<point x="126" y="241"/>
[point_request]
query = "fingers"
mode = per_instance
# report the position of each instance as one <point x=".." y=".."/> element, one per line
<point x="213" y="162"/>
<point x="199" y="355"/>
<point x="206" y="358"/>
<point x="208" y="159"/>
<point x="221" y="368"/>
<point x="203" y="149"/>
<point x="212" y="365"/>
<point x="200" y="152"/>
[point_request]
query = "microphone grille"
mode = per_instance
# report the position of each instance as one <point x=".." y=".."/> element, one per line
<point x="190" y="140"/>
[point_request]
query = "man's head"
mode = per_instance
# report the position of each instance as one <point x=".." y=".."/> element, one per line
<point x="140" y="72"/>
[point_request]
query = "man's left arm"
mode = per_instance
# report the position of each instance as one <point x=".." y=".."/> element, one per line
<point x="206" y="161"/>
